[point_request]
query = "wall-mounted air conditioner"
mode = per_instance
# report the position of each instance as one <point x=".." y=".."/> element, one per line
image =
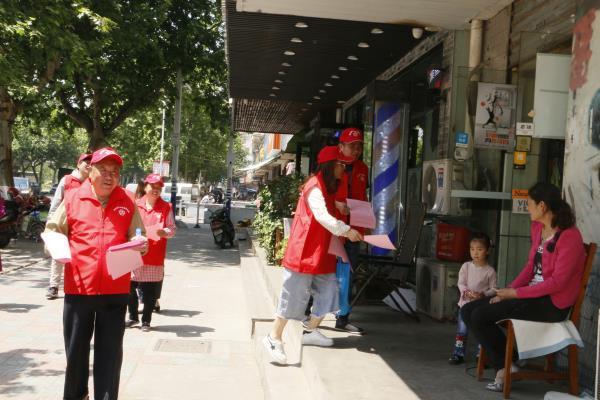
<point x="440" y="177"/>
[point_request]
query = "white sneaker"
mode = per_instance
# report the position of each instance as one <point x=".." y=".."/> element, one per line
<point x="275" y="349"/>
<point x="316" y="338"/>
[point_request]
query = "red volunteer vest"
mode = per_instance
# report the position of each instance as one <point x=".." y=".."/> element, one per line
<point x="92" y="230"/>
<point x="357" y="190"/>
<point x="72" y="182"/>
<point x="308" y="243"/>
<point x="157" y="249"/>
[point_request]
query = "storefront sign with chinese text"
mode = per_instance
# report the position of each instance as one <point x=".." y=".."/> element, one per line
<point x="519" y="197"/>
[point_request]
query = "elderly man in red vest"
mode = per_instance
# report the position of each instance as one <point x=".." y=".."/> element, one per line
<point x="94" y="217"/>
<point x="353" y="185"/>
<point x="67" y="182"/>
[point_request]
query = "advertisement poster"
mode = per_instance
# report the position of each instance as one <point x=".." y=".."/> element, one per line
<point x="496" y="116"/>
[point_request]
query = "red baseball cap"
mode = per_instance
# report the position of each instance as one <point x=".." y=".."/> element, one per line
<point x="106" y="153"/>
<point x="331" y="153"/>
<point x="84" y="157"/>
<point x="154" y="178"/>
<point x="351" y="135"/>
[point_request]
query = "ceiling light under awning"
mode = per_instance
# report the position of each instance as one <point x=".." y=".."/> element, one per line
<point x="286" y="64"/>
<point x="301" y="25"/>
<point x="289" y="53"/>
<point x="363" y="45"/>
<point x="352" y="57"/>
<point x="342" y="68"/>
<point x="335" y="77"/>
<point x="328" y="84"/>
<point x="376" y="31"/>
<point x="296" y="40"/>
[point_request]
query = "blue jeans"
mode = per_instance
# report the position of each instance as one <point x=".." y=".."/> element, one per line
<point x="460" y="343"/>
<point x="344" y="277"/>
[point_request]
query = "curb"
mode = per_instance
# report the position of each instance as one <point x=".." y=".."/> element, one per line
<point x="293" y="334"/>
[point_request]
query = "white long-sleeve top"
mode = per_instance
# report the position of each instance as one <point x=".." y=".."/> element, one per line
<point x="316" y="203"/>
<point x="59" y="194"/>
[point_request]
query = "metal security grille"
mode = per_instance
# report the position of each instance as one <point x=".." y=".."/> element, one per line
<point x="183" y="346"/>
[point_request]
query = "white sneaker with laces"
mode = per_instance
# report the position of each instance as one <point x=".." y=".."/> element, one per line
<point x="275" y="349"/>
<point x="316" y="338"/>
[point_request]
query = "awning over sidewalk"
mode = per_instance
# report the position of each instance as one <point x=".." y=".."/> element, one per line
<point x="284" y="69"/>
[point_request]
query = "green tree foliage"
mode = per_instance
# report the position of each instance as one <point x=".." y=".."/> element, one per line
<point x="131" y="64"/>
<point x="278" y="200"/>
<point x="37" y="145"/>
<point x="105" y="61"/>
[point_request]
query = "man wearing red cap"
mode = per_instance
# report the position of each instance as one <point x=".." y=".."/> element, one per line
<point x="67" y="182"/>
<point x="97" y="215"/>
<point x="353" y="186"/>
<point x="308" y="266"/>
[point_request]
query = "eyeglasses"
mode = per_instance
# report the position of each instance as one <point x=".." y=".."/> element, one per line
<point x="108" y="174"/>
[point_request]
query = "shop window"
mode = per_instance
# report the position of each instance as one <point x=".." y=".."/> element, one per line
<point x="415" y="146"/>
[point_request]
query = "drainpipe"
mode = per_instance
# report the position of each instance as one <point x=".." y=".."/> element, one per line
<point x="475" y="55"/>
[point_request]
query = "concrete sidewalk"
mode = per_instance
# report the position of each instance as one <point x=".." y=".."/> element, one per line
<point x="397" y="358"/>
<point x="199" y="347"/>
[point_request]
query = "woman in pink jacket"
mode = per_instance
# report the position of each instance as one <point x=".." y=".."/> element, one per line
<point x="547" y="286"/>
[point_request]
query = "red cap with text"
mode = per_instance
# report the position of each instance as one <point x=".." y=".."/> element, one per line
<point x="154" y="179"/>
<point x="104" y="154"/>
<point x="350" y="135"/>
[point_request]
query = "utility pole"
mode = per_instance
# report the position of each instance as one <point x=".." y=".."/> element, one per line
<point x="175" y="143"/>
<point x="162" y="143"/>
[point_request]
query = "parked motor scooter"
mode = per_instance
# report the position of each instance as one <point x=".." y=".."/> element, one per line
<point x="222" y="228"/>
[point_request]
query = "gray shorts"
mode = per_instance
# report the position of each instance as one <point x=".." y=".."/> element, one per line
<point x="297" y="289"/>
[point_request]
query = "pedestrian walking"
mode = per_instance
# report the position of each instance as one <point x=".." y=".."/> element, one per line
<point x="308" y="266"/>
<point x="94" y="217"/>
<point x="66" y="183"/>
<point x="157" y="215"/>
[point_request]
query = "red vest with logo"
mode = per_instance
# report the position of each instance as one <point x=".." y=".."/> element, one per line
<point x="71" y="182"/>
<point x="157" y="249"/>
<point x="357" y="190"/>
<point x="92" y="230"/>
<point x="308" y="244"/>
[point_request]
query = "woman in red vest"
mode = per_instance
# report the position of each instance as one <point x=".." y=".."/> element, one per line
<point x="308" y="266"/>
<point x="157" y="215"/>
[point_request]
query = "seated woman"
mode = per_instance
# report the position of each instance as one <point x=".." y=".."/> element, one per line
<point x="547" y="286"/>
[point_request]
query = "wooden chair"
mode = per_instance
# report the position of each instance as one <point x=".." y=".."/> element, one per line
<point x="547" y="373"/>
<point x="381" y="268"/>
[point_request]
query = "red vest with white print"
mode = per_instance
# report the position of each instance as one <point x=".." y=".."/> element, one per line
<point x="157" y="249"/>
<point x="92" y="230"/>
<point x="308" y="244"/>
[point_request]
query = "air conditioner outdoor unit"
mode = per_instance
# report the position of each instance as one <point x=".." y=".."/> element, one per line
<point x="437" y="290"/>
<point x="439" y="178"/>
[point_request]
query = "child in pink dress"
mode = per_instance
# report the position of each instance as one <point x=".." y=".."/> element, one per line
<point x="476" y="279"/>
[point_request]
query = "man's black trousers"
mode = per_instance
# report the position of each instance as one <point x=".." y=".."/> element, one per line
<point x="104" y="317"/>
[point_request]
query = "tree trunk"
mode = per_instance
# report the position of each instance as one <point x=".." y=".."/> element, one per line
<point x="6" y="173"/>
<point x="97" y="138"/>
<point x="8" y="113"/>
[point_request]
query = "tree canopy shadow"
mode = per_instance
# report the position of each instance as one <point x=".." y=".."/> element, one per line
<point x="183" y="330"/>
<point x="18" y="308"/>
<point x="17" y="366"/>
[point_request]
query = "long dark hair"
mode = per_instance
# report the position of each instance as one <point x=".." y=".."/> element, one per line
<point x="328" y="171"/>
<point x="551" y="196"/>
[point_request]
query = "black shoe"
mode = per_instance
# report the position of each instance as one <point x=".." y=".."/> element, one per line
<point x="455" y="360"/>
<point x="145" y="327"/>
<point x="52" y="293"/>
<point x="346" y="326"/>
<point x="131" y="323"/>
<point x="157" y="306"/>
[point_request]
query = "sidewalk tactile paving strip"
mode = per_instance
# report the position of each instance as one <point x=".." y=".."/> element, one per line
<point x="183" y="346"/>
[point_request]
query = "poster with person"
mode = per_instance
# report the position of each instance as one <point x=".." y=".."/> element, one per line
<point x="495" y="117"/>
